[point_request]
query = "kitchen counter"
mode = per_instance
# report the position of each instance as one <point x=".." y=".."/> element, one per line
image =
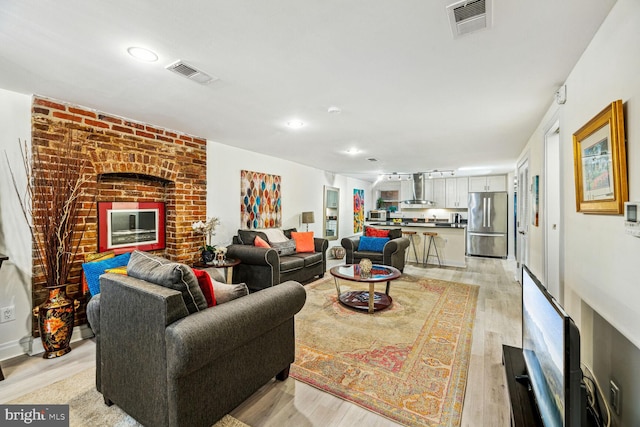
<point x="451" y="241"/>
<point x="417" y="224"/>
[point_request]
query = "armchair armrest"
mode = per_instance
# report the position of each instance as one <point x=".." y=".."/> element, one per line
<point x="398" y="245"/>
<point x="202" y="337"/>
<point x="254" y="255"/>
<point x="350" y="244"/>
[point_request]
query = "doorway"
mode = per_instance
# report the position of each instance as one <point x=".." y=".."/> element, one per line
<point x="522" y="214"/>
<point x="553" y="215"/>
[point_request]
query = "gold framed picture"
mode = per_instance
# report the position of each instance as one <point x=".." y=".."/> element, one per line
<point x="600" y="162"/>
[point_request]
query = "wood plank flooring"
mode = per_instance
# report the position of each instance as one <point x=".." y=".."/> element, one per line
<point x="292" y="403"/>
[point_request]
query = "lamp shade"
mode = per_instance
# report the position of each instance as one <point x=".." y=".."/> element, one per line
<point x="307" y="218"/>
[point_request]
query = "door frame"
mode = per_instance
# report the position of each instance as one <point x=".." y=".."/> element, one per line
<point x="522" y="214"/>
<point x="553" y="257"/>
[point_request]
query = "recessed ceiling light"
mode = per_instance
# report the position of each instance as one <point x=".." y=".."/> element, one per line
<point x="352" y="151"/>
<point x="334" y="110"/>
<point x="295" y="124"/>
<point x="142" y="54"/>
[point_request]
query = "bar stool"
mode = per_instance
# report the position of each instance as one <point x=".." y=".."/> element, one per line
<point x="410" y="235"/>
<point x="427" y="252"/>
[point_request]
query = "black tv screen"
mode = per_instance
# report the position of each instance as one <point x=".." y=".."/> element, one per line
<point x="551" y="349"/>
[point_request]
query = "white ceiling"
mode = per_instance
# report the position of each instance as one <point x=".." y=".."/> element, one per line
<point x="411" y="95"/>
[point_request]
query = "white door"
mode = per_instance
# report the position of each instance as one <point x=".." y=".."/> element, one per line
<point x="522" y="216"/>
<point x="552" y="216"/>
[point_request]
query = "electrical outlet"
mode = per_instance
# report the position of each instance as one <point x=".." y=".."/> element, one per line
<point x="7" y="314"/>
<point x="614" y="396"/>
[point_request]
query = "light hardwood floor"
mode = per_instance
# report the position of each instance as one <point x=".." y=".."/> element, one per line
<point x="292" y="403"/>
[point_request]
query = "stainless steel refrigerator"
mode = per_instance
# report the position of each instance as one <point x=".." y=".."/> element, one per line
<point x="487" y="224"/>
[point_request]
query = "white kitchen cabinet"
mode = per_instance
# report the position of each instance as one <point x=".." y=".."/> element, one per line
<point x="406" y="190"/>
<point x="487" y="183"/>
<point x="457" y="193"/>
<point x="436" y="191"/>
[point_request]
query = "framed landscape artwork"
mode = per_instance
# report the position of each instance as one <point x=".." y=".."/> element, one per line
<point x="600" y="162"/>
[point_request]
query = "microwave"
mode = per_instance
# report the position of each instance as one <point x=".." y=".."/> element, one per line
<point x="377" y="215"/>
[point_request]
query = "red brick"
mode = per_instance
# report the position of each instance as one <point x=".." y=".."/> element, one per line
<point x="50" y="104"/>
<point x="134" y="125"/>
<point x="66" y="116"/>
<point x="82" y="112"/>
<point x="121" y="129"/>
<point x="164" y="138"/>
<point x="96" y="123"/>
<point x="110" y="119"/>
<point x="145" y="134"/>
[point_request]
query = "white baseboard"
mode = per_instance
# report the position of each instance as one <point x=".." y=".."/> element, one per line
<point x="79" y="333"/>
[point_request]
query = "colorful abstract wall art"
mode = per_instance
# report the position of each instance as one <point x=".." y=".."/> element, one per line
<point x="260" y="203"/>
<point x="358" y="210"/>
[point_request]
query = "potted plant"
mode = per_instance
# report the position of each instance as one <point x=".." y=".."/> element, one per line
<point x="207" y="229"/>
<point x="55" y="195"/>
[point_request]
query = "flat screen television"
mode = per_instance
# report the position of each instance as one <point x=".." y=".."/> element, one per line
<point x="551" y="350"/>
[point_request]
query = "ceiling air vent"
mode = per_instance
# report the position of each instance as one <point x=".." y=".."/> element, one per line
<point x="190" y="72"/>
<point x="468" y="16"/>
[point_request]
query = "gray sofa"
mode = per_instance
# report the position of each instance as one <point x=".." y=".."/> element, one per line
<point x="261" y="268"/>
<point x="166" y="367"/>
<point x="393" y="253"/>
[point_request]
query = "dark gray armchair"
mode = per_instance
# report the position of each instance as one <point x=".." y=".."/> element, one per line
<point x="166" y="367"/>
<point x="393" y="253"/>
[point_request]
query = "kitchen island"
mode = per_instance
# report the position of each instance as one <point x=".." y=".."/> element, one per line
<point x="451" y="240"/>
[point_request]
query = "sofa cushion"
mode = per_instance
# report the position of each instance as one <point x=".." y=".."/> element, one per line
<point x="169" y="274"/>
<point x="93" y="270"/>
<point x="274" y="234"/>
<point x="310" y="258"/>
<point x="304" y="241"/>
<point x="246" y="237"/>
<point x="290" y="263"/>
<point x="287" y="247"/>
<point x="372" y="244"/>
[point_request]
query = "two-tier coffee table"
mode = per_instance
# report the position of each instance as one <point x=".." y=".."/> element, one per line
<point x="365" y="300"/>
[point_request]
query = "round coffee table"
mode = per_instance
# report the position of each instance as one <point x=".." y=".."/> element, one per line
<point x="365" y="300"/>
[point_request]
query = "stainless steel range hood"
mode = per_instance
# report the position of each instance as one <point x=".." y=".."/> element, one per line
<point x="419" y="196"/>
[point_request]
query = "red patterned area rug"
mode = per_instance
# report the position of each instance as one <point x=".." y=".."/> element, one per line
<point x="408" y="363"/>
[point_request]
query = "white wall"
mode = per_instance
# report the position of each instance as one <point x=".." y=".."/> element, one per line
<point x="602" y="267"/>
<point x="302" y="190"/>
<point x="15" y="238"/>
<point x="601" y="262"/>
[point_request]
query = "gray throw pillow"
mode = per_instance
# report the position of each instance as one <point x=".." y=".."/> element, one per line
<point x="161" y="271"/>
<point x="285" y="248"/>
<point x="225" y="293"/>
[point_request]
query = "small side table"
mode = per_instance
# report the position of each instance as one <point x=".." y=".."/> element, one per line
<point x="2" y="259"/>
<point x="227" y="264"/>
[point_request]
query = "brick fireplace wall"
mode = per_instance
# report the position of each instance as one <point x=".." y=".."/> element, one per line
<point x="128" y="161"/>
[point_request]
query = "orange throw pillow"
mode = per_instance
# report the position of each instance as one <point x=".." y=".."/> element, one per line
<point x="304" y="241"/>
<point x="260" y="242"/>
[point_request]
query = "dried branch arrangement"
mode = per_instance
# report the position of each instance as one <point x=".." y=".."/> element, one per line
<point x="54" y="197"/>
